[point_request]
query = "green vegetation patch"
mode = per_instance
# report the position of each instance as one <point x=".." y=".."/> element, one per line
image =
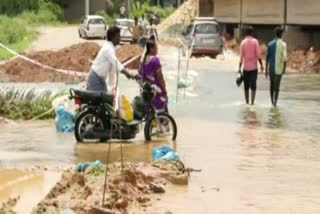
<point x="18" y="27"/>
<point x="25" y="105"/>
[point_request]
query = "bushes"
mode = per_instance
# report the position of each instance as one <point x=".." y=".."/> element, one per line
<point x="22" y="105"/>
<point x="33" y="11"/>
<point x="54" y="9"/>
<point x="138" y="9"/>
<point x="12" y="31"/>
<point x="107" y="18"/>
<point x="15" y="35"/>
<point x="49" y="13"/>
<point x="113" y="7"/>
<point x="148" y="10"/>
<point x="14" y="7"/>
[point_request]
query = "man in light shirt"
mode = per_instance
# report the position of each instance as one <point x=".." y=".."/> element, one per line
<point x="144" y="24"/>
<point x="106" y="65"/>
<point x="276" y="64"/>
<point x="249" y="57"/>
<point x="136" y="31"/>
<point x="152" y="30"/>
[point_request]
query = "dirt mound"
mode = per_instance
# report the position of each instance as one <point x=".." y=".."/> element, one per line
<point x="82" y="192"/>
<point x="77" y="57"/>
<point x="171" y="42"/>
<point x="182" y="16"/>
<point x="127" y="52"/>
<point x="305" y="61"/>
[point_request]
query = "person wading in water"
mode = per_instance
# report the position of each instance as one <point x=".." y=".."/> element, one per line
<point x="249" y="57"/>
<point x="276" y="64"/>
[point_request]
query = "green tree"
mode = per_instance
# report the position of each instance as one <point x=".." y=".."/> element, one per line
<point x="13" y="7"/>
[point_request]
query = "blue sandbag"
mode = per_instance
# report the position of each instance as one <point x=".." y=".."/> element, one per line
<point x="170" y="156"/>
<point x="164" y="153"/>
<point x="81" y="167"/>
<point x="64" y="120"/>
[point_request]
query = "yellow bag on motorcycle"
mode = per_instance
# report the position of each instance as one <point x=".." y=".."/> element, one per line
<point x="125" y="109"/>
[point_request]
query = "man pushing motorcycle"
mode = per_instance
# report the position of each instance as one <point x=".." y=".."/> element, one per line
<point x="106" y="65"/>
<point x="96" y="117"/>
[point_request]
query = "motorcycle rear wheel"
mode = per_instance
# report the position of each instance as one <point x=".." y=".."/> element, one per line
<point x="85" y="121"/>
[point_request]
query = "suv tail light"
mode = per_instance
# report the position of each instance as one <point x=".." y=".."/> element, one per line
<point x="77" y="101"/>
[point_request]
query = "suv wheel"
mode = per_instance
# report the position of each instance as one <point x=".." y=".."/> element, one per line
<point x="84" y="35"/>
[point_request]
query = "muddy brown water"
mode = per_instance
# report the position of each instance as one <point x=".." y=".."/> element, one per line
<point x="261" y="159"/>
<point x="29" y="186"/>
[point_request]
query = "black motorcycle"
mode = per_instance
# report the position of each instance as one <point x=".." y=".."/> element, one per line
<point x="97" y="121"/>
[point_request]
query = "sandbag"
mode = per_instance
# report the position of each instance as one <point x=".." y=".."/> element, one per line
<point x="164" y="153"/>
<point x="81" y="167"/>
<point x="64" y="120"/>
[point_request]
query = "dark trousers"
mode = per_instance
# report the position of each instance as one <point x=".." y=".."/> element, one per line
<point x="250" y="79"/>
<point x="96" y="83"/>
<point x="275" y="81"/>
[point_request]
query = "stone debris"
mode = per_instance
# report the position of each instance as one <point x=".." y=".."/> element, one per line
<point x="8" y="206"/>
<point x="305" y="61"/>
<point x="82" y="192"/>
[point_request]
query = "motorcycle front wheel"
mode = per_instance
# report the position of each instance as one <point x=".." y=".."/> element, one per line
<point x="85" y="123"/>
<point x="160" y="127"/>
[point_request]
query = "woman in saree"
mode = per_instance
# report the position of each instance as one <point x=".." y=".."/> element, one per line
<point x="151" y="71"/>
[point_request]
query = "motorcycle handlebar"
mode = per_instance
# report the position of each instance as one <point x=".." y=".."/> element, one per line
<point x="141" y="85"/>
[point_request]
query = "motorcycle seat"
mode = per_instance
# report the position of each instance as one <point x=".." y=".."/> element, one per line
<point x="94" y="96"/>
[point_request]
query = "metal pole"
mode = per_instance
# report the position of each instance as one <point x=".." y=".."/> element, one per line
<point x="198" y="8"/>
<point x="128" y="9"/>
<point x="87" y="7"/>
<point x="285" y="13"/>
<point x="241" y="25"/>
<point x="111" y="133"/>
<point x="179" y="64"/>
<point x="189" y="56"/>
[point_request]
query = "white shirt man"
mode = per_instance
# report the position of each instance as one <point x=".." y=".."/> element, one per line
<point x="106" y="64"/>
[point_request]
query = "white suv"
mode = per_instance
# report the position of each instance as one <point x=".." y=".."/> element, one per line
<point x="93" y="26"/>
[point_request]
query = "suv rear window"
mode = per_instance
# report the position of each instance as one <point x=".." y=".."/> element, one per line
<point x="206" y="28"/>
<point x="96" y="22"/>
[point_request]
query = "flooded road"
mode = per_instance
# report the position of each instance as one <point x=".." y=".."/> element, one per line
<point x="29" y="186"/>
<point x="262" y="159"/>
